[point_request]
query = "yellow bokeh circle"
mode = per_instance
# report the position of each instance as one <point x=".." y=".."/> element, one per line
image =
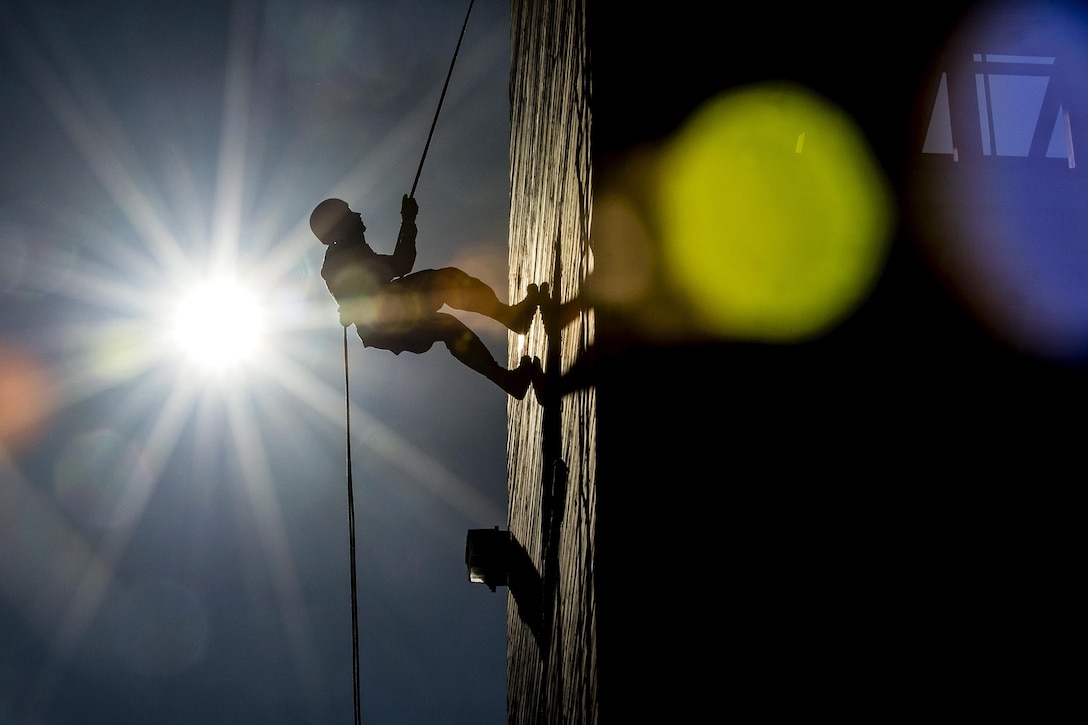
<point x="775" y="217"/>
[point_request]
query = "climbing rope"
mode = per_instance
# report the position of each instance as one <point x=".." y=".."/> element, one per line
<point x="351" y="527"/>
<point x="347" y="413"/>
<point x="440" y="99"/>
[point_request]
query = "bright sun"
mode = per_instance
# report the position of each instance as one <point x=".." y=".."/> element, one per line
<point x="218" y="324"/>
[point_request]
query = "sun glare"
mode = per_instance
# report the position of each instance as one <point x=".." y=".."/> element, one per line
<point x="207" y="381"/>
<point x="218" y="325"/>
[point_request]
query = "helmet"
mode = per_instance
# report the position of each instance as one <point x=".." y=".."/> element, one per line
<point x="326" y="217"/>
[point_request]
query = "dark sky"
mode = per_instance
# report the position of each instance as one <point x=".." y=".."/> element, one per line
<point x="174" y="545"/>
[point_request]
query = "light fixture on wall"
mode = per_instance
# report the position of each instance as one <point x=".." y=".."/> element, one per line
<point x="487" y="555"/>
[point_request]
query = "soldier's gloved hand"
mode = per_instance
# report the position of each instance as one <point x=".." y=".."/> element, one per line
<point x="408" y="209"/>
<point x="344" y="320"/>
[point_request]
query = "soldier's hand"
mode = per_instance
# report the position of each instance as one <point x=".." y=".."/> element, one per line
<point x="408" y="209"/>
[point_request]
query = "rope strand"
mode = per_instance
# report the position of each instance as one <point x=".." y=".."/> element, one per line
<point x="440" y="99"/>
<point x="351" y="527"/>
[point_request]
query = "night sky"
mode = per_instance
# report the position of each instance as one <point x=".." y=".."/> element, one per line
<point x="174" y="537"/>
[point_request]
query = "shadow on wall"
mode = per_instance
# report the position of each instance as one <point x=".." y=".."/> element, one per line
<point x="527" y="589"/>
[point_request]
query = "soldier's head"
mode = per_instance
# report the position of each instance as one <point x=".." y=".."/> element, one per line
<point x="333" y="221"/>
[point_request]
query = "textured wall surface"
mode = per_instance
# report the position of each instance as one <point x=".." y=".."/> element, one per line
<point x="552" y="451"/>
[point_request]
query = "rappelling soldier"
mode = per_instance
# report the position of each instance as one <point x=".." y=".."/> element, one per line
<point x="396" y="309"/>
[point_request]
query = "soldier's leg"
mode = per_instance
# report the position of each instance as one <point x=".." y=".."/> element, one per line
<point x="461" y="291"/>
<point x="467" y="347"/>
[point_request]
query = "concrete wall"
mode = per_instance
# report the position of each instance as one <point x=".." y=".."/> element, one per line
<point x="552" y="446"/>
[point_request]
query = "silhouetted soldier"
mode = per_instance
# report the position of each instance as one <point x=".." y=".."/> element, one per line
<point x="396" y="309"/>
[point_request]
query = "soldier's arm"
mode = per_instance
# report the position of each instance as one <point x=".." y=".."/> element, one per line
<point x="404" y="256"/>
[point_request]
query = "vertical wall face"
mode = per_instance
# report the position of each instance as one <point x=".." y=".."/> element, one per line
<point x="552" y="621"/>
